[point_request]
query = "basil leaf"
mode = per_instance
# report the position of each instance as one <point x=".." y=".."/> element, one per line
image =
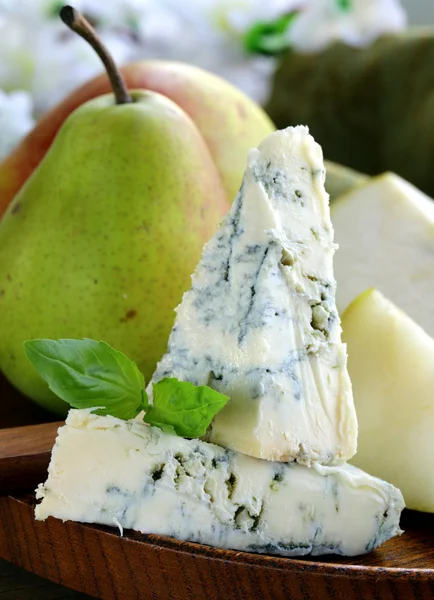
<point x="164" y="427"/>
<point x="189" y="409"/>
<point x="344" y="5"/>
<point x="89" y="374"/>
<point x="269" y="37"/>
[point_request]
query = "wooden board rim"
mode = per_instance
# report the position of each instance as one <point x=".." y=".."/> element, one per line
<point x="276" y="562"/>
<point x="296" y="565"/>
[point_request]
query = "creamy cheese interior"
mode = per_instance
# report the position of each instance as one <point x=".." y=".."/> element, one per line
<point x="128" y="475"/>
<point x="260" y="322"/>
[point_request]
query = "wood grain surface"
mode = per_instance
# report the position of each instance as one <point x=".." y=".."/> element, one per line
<point x="98" y="562"/>
<point x="24" y="455"/>
<point x="19" y="584"/>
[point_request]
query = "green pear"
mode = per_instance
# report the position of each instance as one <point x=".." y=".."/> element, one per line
<point x="391" y="365"/>
<point x="101" y="240"/>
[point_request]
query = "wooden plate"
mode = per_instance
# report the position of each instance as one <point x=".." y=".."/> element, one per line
<point x="97" y="561"/>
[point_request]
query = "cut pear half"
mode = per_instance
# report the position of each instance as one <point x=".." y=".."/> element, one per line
<point x="391" y="365"/>
<point x="385" y="232"/>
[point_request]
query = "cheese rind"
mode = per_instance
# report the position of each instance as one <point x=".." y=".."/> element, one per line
<point x="259" y="323"/>
<point x="126" y="474"/>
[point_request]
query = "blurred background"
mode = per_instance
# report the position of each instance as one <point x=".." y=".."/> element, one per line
<point x="263" y="48"/>
<point x="40" y="61"/>
<point x="419" y="11"/>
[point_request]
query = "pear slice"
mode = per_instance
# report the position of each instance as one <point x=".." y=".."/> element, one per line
<point x="385" y="231"/>
<point x="391" y="365"/>
<point x="341" y="180"/>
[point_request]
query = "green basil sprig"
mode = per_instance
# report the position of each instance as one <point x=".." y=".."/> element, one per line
<point x="90" y="374"/>
<point x="269" y="37"/>
<point x="182" y="406"/>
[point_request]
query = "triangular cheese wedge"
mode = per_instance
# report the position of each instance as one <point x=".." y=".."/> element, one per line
<point x="125" y="474"/>
<point x="260" y="322"/>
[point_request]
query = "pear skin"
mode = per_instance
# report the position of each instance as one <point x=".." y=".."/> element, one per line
<point x="390" y="359"/>
<point x="101" y="240"/>
<point x="230" y="122"/>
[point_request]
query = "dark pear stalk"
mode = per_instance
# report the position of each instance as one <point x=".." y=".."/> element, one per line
<point x="75" y="21"/>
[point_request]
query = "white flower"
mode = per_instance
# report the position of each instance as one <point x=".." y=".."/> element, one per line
<point x="48" y="60"/>
<point x="15" y="119"/>
<point x="115" y="13"/>
<point x="209" y="34"/>
<point x="109" y="12"/>
<point x="60" y="65"/>
<point x="25" y="10"/>
<point x="355" y="22"/>
<point x="40" y="55"/>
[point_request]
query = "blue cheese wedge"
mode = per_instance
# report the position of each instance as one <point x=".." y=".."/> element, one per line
<point x="260" y="324"/>
<point x="129" y="475"/>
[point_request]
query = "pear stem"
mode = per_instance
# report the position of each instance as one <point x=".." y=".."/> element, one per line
<point x="75" y="21"/>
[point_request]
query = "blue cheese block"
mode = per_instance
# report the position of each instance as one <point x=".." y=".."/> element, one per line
<point x="260" y="324"/>
<point x="129" y="475"/>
